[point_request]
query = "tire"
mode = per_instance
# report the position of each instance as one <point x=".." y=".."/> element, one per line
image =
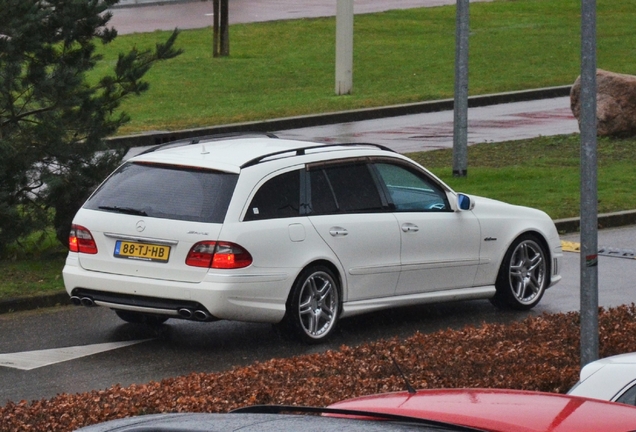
<point x="141" y="318"/>
<point x="523" y="275"/>
<point x="313" y="306"/>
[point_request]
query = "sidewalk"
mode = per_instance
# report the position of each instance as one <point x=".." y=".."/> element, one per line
<point x="534" y="114"/>
<point x="138" y="16"/>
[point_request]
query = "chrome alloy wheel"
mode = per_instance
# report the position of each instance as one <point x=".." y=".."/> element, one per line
<point x="527" y="271"/>
<point x="318" y="304"/>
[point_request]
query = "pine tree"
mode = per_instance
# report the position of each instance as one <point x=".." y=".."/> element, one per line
<point x="53" y="121"/>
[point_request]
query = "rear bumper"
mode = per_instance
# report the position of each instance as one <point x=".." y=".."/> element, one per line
<point x="253" y="296"/>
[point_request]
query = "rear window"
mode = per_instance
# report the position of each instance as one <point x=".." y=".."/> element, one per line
<point x="167" y="192"/>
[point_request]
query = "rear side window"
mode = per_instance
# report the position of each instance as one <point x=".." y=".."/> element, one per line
<point x="167" y="192"/>
<point x="343" y="189"/>
<point x="277" y="198"/>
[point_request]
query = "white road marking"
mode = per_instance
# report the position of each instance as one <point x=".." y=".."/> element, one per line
<point x="28" y="360"/>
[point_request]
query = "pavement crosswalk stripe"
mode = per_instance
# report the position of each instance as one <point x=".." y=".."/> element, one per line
<point x="28" y="360"/>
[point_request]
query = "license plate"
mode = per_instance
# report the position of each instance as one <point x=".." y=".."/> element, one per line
<point x="142" y="251"/>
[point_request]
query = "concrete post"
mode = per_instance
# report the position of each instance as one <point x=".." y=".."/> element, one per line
<point x="344" y="47"/>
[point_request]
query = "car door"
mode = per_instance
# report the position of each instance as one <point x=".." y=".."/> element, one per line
<point x="439" y="246"/>
<point x="352" y="217"/>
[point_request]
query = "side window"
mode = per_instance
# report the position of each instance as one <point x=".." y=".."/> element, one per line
<point x="409" y="191"/>
<point x="279" y="197"/>
<point x="343" y="189"/>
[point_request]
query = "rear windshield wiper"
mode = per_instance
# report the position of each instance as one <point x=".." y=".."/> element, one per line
<point x="125" y="210"/>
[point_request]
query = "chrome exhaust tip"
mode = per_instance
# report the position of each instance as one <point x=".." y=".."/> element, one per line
<point x="185" y="313"/>
<point x="87" y="301"/>
<point x="76" y="300"/>
<point x="201" y="315"/>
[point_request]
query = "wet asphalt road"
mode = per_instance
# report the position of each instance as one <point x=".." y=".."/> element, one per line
<point x="431" y="131"/>
<point x="182" y="347"/>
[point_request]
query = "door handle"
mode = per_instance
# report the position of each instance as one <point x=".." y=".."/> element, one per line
<point x="338" y="231"/>
<point x="409" y="227"/>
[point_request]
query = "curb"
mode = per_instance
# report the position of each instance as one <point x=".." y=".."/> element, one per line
<point x="605" y="220"/>
<point x="34" y="302"/>
<point x="161" y="137"/>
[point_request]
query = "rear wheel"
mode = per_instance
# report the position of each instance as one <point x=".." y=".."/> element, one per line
<point x="523" y="276"/>
<point x="313" y="306"/>
<point x="141" y="318"/>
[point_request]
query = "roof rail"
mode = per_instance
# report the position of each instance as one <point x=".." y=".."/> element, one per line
<point x="198" y="139"/>
<point x="302" y="150"/>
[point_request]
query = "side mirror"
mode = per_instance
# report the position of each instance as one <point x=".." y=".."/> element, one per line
<point x="464" y="202"/>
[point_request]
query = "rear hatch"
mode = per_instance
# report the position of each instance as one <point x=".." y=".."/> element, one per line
<point x="145" y="218"/>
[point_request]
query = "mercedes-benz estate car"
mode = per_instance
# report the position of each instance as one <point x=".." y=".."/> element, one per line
<point x="298" y="234"/>
<point x="611" y="378"/>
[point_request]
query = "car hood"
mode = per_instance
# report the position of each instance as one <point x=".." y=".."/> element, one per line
<point x="491" y="206"/>
<point x="502" y="410"/>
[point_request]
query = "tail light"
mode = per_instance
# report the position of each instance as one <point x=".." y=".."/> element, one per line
<point x="219" y="255"/>
<point x="81" y="240"/>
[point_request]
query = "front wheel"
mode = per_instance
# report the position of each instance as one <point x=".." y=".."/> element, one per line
<point x="523" y="276"/>
<point x="313" y="306"/>
<point x="141" y="318"/>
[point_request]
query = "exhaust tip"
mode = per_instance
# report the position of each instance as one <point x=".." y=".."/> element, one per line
<point x="87" y="301"/>
<point x="201" y="315"/>
<point x="185" y="313"/>
<point x="76" y="300"/>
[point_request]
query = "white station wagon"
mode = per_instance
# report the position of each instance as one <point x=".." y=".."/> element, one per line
<point x="298" y="234"/>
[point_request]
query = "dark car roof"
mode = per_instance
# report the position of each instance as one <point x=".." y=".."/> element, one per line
<point x="197" y="422"/>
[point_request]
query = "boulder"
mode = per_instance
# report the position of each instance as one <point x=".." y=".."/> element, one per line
<point x="615" y="103"/>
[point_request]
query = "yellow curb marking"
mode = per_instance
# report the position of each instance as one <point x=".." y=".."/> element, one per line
<point x="569" y="246"/>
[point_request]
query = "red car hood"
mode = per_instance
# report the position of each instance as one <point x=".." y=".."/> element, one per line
<point x="502" y="410"/>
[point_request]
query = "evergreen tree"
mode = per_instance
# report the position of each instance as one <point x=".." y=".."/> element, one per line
<point x="53" y="121"/>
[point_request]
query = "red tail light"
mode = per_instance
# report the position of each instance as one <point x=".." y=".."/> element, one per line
<point x="81" y="240"/>
<point x="220" y="255"/>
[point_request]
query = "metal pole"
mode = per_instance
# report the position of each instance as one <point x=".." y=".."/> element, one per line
<point x="589" y="210"/>
<point x="344" y="47"/>
<point x="460" y="124"/>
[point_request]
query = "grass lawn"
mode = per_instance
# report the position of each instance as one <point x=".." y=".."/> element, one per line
<point x="30" y="277"/>
<point x="286" y="68"/>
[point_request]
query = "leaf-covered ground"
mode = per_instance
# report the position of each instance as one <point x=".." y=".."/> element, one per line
<point x="539" y="353"/>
